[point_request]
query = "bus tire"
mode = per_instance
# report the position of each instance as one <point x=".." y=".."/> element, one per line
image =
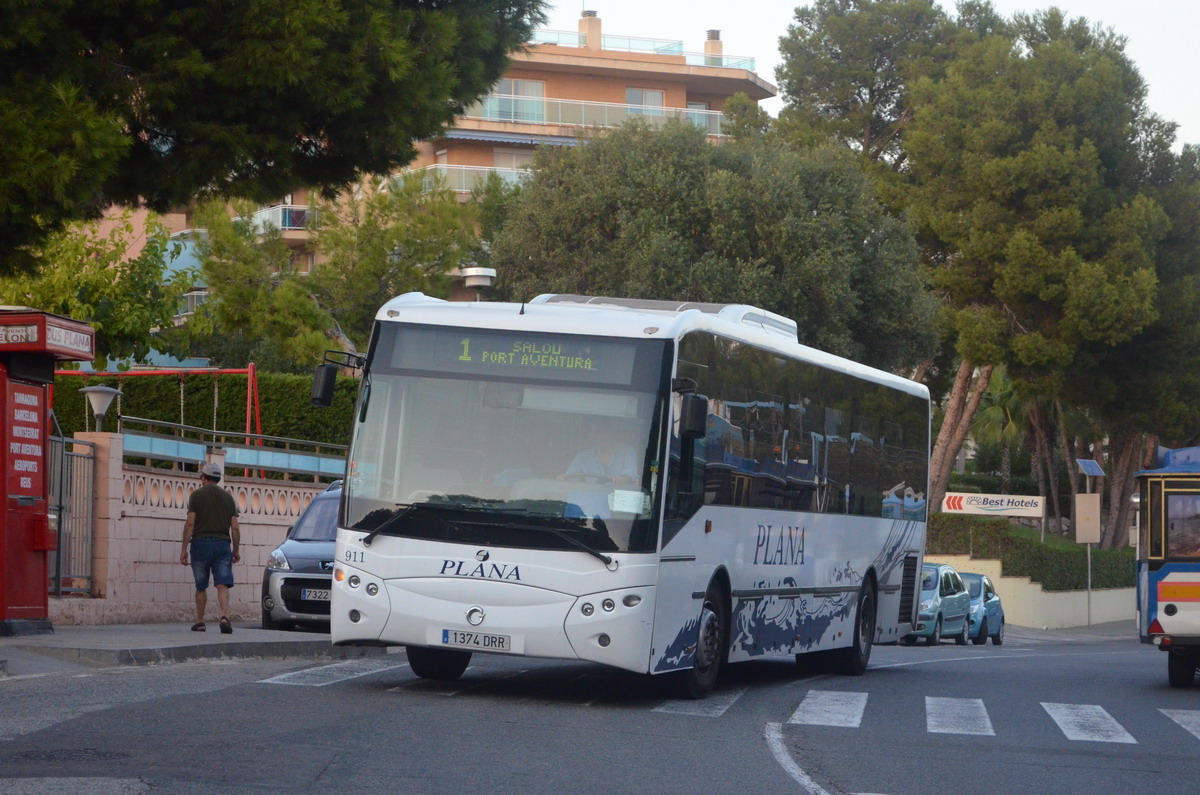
<point x="853" y="660"/>
<point x="712" y="646"/>
<point x="442" y="664"/>
<point x="1181" y="668"/>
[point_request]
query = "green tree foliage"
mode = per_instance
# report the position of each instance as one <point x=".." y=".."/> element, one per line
<point x="661" y="213"/>
<point x="1027" y="167"/>
<point x="413" y="236"/>
<point x="118" y="102"/>
<point x="89" y="277"/>
<point x="373" y="246"/>
<point x="848" y="66"/>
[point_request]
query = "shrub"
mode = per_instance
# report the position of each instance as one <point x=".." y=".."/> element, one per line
<point x="1057" y="568"/>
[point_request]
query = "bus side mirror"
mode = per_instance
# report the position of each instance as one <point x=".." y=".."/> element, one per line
<point x="323" y="381"/>
<point x="693" y="417"/>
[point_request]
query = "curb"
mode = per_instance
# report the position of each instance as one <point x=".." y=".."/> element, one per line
<point x="208" y="651"/>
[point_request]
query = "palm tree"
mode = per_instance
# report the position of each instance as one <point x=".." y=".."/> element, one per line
<point x="1002" y="419"/>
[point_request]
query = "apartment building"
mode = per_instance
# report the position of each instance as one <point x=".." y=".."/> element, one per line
<point x="562" y="83"/>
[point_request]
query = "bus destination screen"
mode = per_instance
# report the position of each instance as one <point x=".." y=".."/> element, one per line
<point x="554" y="357"/>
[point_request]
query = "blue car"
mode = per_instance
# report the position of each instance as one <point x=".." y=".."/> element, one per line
<point x="987" y="613"/>
<point x="299" y="572"/>
<point x="945" y="607"/>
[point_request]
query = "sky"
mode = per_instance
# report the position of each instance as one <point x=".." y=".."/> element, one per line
<point x="1161" y="37"/>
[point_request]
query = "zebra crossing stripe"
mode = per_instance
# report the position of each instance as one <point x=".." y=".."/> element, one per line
<point x="957" y="716"/>
<point x="1087" y="722"/>
<point x="831" y="708"/>
<point x="712" y="707"/>
<point x="332" y="674"/>
<point x="1187" y="718"/>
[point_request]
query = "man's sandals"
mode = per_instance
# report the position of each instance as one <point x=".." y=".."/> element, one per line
<point x="199" y="627"/>
<point x="226" y="627"/>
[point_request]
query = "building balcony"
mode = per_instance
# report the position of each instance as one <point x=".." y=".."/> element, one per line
<point x="284" y="217"/>
<point x="574" y="113"/>
<point x="464" y="179"/>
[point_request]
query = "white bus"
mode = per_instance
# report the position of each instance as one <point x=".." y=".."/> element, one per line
<point x="661" y="487"/>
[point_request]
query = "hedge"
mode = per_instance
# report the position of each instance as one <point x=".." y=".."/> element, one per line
<point x="284" y="402"/>
<point x="1055" y="569"/>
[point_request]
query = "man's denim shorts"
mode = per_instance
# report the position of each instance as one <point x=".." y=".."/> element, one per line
<point x="215" y="554"/>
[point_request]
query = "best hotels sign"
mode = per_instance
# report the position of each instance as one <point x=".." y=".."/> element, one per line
<point x="993" y="504"/>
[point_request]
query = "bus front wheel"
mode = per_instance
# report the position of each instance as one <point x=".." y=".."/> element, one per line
<point x="711" y="646"/>
<point x="442" y="664"/>
<point x="1181" y="668"/>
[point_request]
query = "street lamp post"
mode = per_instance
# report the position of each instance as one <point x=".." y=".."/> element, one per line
<point x="100" y="398"/>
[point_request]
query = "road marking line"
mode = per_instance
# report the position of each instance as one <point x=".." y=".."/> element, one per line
<point x="774" y="735"/>
<point x="1187" y="718"/>
<point x="831" y="708"/>
<point x="957" y="716"/>
<point x="1087" y="722"/>
<point x="334" y="673"/>
<point x="712" y="707"/>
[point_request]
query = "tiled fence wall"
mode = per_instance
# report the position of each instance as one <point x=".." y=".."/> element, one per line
<point x="139" y="516"/>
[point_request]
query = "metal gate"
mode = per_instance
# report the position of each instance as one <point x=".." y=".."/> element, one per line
<point x="71" y="498"/>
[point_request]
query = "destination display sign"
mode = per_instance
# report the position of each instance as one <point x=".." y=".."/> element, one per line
<point x="554" y="357"/>
<point x="25" y="420"/>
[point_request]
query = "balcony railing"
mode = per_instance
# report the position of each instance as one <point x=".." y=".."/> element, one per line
<point x="567" y="38"/>
<point x="282" y="216"/>
<point x="532" y="110"/>
<point x="464" y="179"/>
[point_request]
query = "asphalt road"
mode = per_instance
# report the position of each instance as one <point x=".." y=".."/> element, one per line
<point x="1046" y="712"/>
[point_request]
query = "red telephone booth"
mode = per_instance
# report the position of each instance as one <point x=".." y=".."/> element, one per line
<point x="30" y="344"/>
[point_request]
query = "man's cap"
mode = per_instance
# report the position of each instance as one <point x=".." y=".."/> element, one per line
<point x="211" y="470"/>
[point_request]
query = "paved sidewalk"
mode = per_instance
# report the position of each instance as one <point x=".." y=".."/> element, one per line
<point x="70" y="648"/>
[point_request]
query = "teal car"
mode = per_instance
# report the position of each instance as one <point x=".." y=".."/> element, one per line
<point x="987" y="611"/>
<point x="945" y="607"/>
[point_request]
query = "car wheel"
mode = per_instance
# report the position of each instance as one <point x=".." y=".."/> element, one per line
<point x="1181" y="669"/>
<point x="908" y="640"/>
<point x="267" y="621"/>
<point x="935" y="637"/>
<point x="854" y="659"/>
<point x="442" y="664"/>
<point x="998" y="638"/>
<point x="982" y="637"/>
<point x="964" y="634"/>
<point x="712" y="646"/>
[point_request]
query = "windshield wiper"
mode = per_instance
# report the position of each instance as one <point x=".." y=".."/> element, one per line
<point x="405" y="510"/>
<point x="565" y="535"/>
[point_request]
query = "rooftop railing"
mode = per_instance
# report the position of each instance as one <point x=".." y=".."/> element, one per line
<point x="534" y="110"/>
<point x="568" y="38"/>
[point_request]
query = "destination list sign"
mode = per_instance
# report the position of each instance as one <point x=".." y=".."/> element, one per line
<point x="498" y="353"/>
<point x="24" y="439"/>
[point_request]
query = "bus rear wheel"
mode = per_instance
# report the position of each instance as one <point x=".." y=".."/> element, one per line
<point x="853" y="661"/>
<point x="711" y="646"/>
<point x="443" y="664"/>
<point x="1181" y="668"/>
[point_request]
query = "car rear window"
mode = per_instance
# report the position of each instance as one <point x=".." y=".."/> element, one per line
<point x="319" y="522"/>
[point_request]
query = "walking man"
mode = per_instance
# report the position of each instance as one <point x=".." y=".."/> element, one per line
<point x="212" y="536"/>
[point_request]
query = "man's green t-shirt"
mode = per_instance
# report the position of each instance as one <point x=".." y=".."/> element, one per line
<point x="214" y="508"/>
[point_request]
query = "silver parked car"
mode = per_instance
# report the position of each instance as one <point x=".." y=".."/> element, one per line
<point x="945" y="607"/>
<point x="299" y="572"/>
<point x="987" y="611"/>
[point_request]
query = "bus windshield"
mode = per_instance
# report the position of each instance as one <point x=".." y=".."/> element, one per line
<point x="543" y="441"/>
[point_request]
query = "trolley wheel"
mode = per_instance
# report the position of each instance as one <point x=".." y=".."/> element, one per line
<point x="443" y="664"/>
<point x="1181" y="668"/>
